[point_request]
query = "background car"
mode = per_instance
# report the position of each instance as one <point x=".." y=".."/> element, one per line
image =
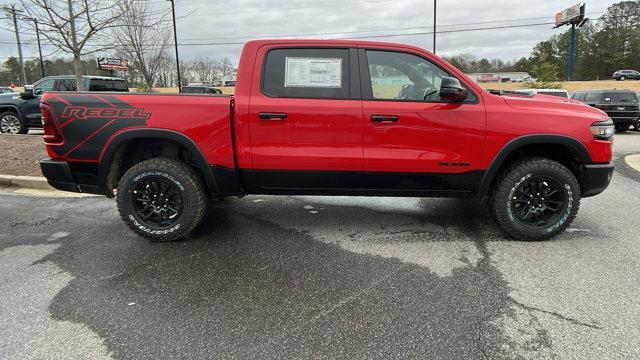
<point x="200" y="89"/>
<point x="622" y="75"/>
<point x="637" y="125"/>
<point x="5" y="90"/>
<point x="552" y="92"/>
<point x="19" y="112"/>
<point x="621" y="105"/>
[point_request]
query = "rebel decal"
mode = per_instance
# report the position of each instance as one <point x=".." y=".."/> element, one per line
<point x="87" y="121"/>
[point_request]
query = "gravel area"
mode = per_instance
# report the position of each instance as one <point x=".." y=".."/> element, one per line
<point x="21" y="154"/>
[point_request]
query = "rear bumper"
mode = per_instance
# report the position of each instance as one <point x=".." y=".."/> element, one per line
<point x="598" y="177"/>
<point x="60" y="176"/>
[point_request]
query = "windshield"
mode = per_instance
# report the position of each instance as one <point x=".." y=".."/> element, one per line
<point x="620" y="97"/>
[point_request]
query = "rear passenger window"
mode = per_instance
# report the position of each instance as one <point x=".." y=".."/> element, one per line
<point x="65" y="85"/>
<point x="593" y="97"/>
<point x="306" y="73"/>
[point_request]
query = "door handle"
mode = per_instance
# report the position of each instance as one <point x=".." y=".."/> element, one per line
<point x="384" y="118"/>
<point x="272" y="116"/>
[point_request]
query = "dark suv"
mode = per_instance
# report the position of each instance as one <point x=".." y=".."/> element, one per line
<point x="19" y="112"/>
<point x="620" y="105"/>
<point x="622" y="75"/>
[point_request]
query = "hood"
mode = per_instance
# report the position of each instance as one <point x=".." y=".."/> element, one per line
<point x="551" y="103"/>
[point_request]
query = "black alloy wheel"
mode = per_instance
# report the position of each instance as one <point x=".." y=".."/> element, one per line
<point x="538" y="202"/>
<point x="157" y="202"/>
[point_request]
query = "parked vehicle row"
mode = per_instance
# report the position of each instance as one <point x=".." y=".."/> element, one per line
<point x="622" y="106"/>
<point x="19" y="112"/>
<point x="307" y="118"/>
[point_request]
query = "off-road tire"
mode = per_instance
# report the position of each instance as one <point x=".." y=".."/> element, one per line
<point x="514" y="176"/>
<point x="22" y="129"/>
<point x="188" y="186"/>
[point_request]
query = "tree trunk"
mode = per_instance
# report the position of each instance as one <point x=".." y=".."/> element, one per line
<point x="77" y="66"/>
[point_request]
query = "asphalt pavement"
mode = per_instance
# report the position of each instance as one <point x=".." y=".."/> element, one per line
<point x="321" y="277"/>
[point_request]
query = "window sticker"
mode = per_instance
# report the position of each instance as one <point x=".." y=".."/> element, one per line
<point x="313" y="72"/>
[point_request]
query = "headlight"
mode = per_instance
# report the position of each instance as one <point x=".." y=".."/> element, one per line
<point x="603" y="130"/>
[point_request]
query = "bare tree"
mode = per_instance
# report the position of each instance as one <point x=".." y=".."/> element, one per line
<point x="70" y="25"/>
<point x="143" y="38"/>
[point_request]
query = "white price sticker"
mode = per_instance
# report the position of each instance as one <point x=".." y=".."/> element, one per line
<point x="313" y="72"/>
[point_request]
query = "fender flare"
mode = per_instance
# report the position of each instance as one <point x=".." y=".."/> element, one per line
<point x="14" y="107"/>
<point x="511" y="146"/>
<point x="146" y="133"/>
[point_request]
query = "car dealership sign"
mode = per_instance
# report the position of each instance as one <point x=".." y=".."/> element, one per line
<point x="112" y="64"/>
<point x="572" y="15"/>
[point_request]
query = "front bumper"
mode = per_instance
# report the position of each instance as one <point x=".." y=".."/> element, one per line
<point x="597" y="178"/>
<point x="59" y="175"/>
<point x="630" y="120"/>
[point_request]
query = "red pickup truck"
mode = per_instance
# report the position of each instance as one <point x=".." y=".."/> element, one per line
<point x="331" y="118"/>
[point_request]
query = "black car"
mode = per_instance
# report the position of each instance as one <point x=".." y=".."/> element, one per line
<point x="200" y="89"/>
<point x="622" y="75"/>
<point x="19" y="112"/>
<point x="621" y="105"/>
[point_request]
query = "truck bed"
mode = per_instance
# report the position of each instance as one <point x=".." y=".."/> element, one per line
<point x="88" y="122"/>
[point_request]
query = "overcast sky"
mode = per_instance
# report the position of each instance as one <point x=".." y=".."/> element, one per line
<point x="212" y="22"/>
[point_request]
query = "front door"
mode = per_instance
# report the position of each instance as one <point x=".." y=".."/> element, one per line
<point x="413" y="139"/>
<point x="305" y="121"/>
<point x="31" y="108"/>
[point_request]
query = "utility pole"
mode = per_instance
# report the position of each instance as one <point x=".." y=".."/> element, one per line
<point x="435" y="5"/>
<point x="12" y="10"/>
<point x="39" y="47"/>
<point x="175" y="41"/>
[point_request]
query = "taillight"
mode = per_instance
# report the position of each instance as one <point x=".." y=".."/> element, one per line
<point x="603" y="130"/>
<point x="51" y="134"/>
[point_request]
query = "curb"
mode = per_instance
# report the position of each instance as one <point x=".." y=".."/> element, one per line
<point x="30" y="182"/>
<point x="633" y="161"/>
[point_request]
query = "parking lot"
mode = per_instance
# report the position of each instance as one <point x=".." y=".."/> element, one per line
<point x="334" y="277"/>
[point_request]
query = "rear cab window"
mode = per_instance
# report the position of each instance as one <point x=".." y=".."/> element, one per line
<point x="65" y="85"/>
<point x="620" y="97"/>
<point x="107" y="85"/>
<point x="316" y="73"/>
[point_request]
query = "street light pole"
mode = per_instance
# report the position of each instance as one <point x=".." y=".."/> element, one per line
<point x="39" y="47"/>
<point x="175" y="41"/>
<point x="435" y="5"/>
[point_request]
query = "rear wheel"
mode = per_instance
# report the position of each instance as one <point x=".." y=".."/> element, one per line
<point x="161" y="199"/>
<point x="10" y="123"/>
<point x="622" y="78"/>
<point x="535" y="199"/>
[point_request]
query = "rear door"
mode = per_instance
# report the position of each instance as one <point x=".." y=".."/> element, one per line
<point x="414" y="140"/>
<point x="305" y="120"/>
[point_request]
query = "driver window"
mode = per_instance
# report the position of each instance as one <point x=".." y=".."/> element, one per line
<point x="43" y="86"/>
<point x="401" y="76"/>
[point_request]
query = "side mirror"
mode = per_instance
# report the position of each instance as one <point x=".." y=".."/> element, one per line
<point x="27" y="93"/>
<point x="451" y="89"/>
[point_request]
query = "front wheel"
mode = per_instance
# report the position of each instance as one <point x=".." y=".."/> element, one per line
<point x="10" y="123"/>
<point x="161" y="199"/>
<point x="535" y="199"/>
<point x="622" y="78"/>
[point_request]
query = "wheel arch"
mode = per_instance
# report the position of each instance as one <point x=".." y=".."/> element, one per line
<point x="113" y="155"/>
<point x="575" y="147"/>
